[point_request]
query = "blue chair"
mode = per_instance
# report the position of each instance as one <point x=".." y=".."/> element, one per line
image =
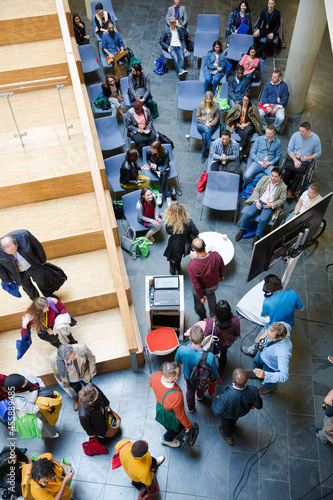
<point x="112" y="168"/>
<point x="276" y="39"/>
<point x="234" y="135"/>
<point x="194" y="134"/>
<point x="203" y="43"/>
<point x="258" y="84"/>
<point x="98" y="38"/>
<point x="172" y="171"/>
<point x="229" y="19"/>
<point x="130" y="201"/>
<point x="190" y="94"/>
<point x="239" y="45"/>
<point x="107" y="5"/>
<point x="108" y="133"/>
<point x="103" y="58"/>
<point x="167" y="56"/>
<point x="94" y="91"/>
<point x="208" y="23"/>
<point x="124" y="87"/>
<point x="221" y="192"/>
<point x="87" y="57"/>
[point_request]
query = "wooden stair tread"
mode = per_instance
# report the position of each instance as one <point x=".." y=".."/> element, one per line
<point x="32" y="55"/>
<point x="26" y="9"/>
<point x="89" y="275"/>
<point x="103" y="332"/>
<point x="54" y="219"/>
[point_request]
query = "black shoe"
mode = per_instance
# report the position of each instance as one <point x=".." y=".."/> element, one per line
<point x="172" y="270"/>
<point x="240" y="235"/>
<point x="203" y="157"/>
<point x="255" y="239"/>
<point x="263" y="56"/>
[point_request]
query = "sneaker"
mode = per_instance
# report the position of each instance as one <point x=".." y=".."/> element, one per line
<point x="169" y="201"/>
<point x="55" y="436"/>
<point x="191" y="411"/>
<point x="159" y="199"/>
<point x="330" y="359"/>
<point x="182" y="72"/>
<point x="159" y="461"/>
<point x="173" y="444"/>
<point x="249" y="351"/>
<point x="199" y="399"/>
<point x="315" y="431"/>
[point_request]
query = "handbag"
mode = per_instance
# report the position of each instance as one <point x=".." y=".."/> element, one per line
<point x="149" y="492"/>
<point x="202" y="181"/>
<point x="23" y="345"/>
<point x="189" y="438"/>
<point x="127" y="239"/>
<point x="118" y="209"/>
<point x="140" y="246"/>
<point x="4" y="410"/>
<point x="27" y="426"/>
<point x="164" y="139"/>
<point x="116" y="463"/>
<point x="11" y="288"/>
<point x="154" y="110"/>
<point x="175" y="193"/>
<point x="54" y="278"/>
<point x="50" y="407"/>
<point x="112" y="429"/>
<point x="101" y="103"/>
<point x="94" y="447"/>
<point x="167" y="418"/>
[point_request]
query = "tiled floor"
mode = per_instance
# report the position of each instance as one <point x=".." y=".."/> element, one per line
<point x="296" y="461"/>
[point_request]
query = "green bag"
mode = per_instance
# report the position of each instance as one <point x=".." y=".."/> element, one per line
<point x="154" y="189"/>
<point x="223" y="103"/>
<point x="154" y="109"/>
<point x="167" y="418"/>
<point x="134" y="60"/>
<point x="101" y="103"/>
<point x="27" y="426"/>
<point x="139" y="246"/>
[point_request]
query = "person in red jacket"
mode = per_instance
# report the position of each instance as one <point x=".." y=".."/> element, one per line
<point x="163" y="383"/>
<point x="205" y="271"/>
<point x="42" y="313"/>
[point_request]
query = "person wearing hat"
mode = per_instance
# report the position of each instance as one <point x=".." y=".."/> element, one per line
<point x="326" y="433"/>
<point x="139" y="125"/>
<point x="23" y="390"/>
<point x="137" y="462"/>
<point x="172" y="40"/>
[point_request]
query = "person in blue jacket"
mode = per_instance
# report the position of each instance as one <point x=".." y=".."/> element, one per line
<point x="242" y="15"/>
<point x="113" y="48"/>
<point x="274" y="100"/>
<point x="214" y="66"/>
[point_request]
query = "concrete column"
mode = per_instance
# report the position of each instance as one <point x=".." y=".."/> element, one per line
<point x="307" y="36"/>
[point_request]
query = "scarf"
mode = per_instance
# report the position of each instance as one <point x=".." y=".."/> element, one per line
<point x="61" y="366"/>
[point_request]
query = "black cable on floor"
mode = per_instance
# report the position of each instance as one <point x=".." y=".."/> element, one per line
<point x="319" y="498"/>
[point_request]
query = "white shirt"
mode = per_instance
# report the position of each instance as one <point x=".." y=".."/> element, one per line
<point x="268" y="195"/>
<point x="175" y="42"/>
<point x="306" y="202"/>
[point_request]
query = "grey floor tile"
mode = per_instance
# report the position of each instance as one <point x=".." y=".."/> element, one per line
<point x="246" y="491"/>
<point x="299" y="394"/>
<point x="274" y="464"/>
<point x="301" y="442"/>
<point x="304" y="476"/>
<point x="274" y="490"/>
<point x="85" y="490"/>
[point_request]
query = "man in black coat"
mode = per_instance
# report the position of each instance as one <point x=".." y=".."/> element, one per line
<point x="173" y="41"/>
<point x="235" y="402"/>
<point x="22" y="258"/>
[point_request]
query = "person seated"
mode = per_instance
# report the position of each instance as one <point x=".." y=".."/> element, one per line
<point x="139" y="125"/>
<point x="266" y="27"/>
<point x="113" y="93"/>
<point x="226" y="327"/>
<point x="274" y="100"/>
<point x="139" y="86"/>
<point x="93" y="410"/>
<point x="250" y="64"/>
<point x="242" y="15"/>
<point x="11" y="463"/>
<point x="214" y="66"/>
<point x="158" y="161"/>
<point x="73" y="367"/>
<point x="148" y="213"/>
<point x="179" y="13"/>
<point x="49" y="479"/>
<point x="308" y="198"/>
<point x="172" y="40"/>
<point x="113" y="48"/>
<point x="81" y="36"/>
<point x="265" y="153"/>
<point x="268" y="197"/>
<point x="207" y="116"/>
<point x="26" y="390"/>
<point x="129" y="172"/>
<point x="244" y="119"/>
<point x="225" y="154"/>
<point x="304" y="146"/>
<point x="237" y="86"/>
<point x="101" y="19"/>
<point x="42" y="313"/>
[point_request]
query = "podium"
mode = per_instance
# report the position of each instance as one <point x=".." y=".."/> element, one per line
<point x="164" y="296"/>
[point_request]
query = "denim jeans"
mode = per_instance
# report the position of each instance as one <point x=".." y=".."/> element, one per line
<point x="279" y="118"/>
<point x="258" y="363"/>
<point x="253" y="169"/>
<point x="177" y="54"/>
<point x="206" y="135"/>
<point x="252" y="211"/>
<point x="212" y="78"/>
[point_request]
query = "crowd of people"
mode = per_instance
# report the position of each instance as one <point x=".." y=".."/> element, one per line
<point x="23" y="261"/>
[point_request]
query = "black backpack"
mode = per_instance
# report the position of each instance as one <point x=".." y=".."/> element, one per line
<point x="202" y="376"/>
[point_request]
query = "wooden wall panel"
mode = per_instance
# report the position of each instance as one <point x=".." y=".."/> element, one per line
<point x="36" y="73"/>
<point x="75" y="244"/>
<point x="31" y="29"/>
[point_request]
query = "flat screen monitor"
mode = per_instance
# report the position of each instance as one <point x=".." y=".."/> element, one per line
<point x="273" y="247"/>
<point x="166" y="282"/>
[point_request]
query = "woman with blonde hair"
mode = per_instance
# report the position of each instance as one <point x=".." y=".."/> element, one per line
<point x="208" y="118"/>
<point x="182" y="231"/>
<point x="113" y="93"/>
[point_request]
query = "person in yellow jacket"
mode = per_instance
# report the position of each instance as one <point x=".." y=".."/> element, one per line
<point x="47" y="480"/>
<point x="137" y="462"/>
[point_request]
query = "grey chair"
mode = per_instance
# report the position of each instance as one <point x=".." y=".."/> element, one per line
<point x="190" y="94"/>
<point x="87" y="57"/>
<point x="108" y="133"/>
<point x="239" y="45"/>
<point x="112" y="168"/>
<point x="124" y="88"/>
<point x="222" y="192"/>
<point x="208" y="23"/>
<point x="203" y="42"/>
<point x="130" y="201"/>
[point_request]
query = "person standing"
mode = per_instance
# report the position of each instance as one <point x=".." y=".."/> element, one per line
<point x="170" y="396"/>
<point x="266" y="27"/>
<point x="206" y="270"/>
<point x="182" y="231"/>
<point x="189" y="356"/>
<point x="235" y="402"/>
<point x="49" y="479"/>
<point x="179" y="13"/>
<point x="137" y="462"/>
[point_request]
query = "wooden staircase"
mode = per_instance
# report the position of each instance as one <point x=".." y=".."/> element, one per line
<point x="55" y="186"/>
